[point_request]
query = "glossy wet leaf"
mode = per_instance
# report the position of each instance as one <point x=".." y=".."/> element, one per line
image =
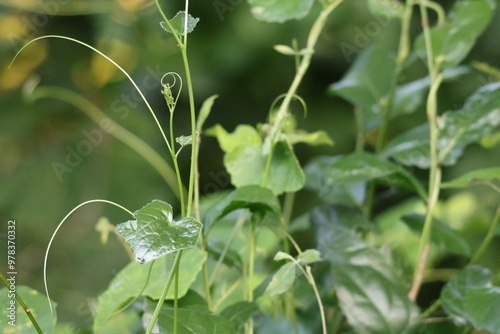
<point x="410" y="96"/>
<point x="478" y="176"/>
<point x="441" y="235"/>
<point x="454" y="293"/>
<point x="362" y="167"/>
<point x="372" y="297"/>
<point x="131" y="280"/>
<point x="37" y="304"/>
<point x="482" y="307"/>
<point x="282" y="280"/>
<point x="351" y="194"/>
<point x="255" y="198"/>
<point x="280" y="10"/>
<point x="178" y="23"/>
<point x="154" y="233"/>
<point x="367" y="83"/>
<point x="453" y="41"/>
<point x="239" y="313"/>
<point x="479" y="117"/>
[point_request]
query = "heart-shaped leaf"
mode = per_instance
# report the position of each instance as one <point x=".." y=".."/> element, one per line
<point x="178" y="23"/>
<point x="154" y="233"/>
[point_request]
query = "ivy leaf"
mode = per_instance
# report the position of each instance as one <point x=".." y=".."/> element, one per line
<point x="454" y="293"/>
<point x="282" y="280"/>
<point x="255" y="198"/>
<point x="362" y="275"/>
<point x="367" y="83"/>
<point x="453" y="41"/>
<point x="178" y="23"/>
<point x="481" y="176"/>
<point x="478" y="118"/>
<point x="154" y="233"/>
<point x="441" y="234"/>
<point x="130" y="281"/>
<point x="22" y="324"/>
<point x="280" y="10"/>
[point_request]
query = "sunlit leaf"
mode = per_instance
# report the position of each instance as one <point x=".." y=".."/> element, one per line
<point x="178" y="23"/>
<point x="15" y="320"/>
<point x="453" y="41"/>
<point x="132" y="279"/>
<point x="280" y="10"/>
<point x="313" y="139"/>
<point x="442" y="235"/>
<point x="154" y="233"/>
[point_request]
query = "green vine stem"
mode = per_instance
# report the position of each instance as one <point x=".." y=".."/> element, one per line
<point x="116" y="130"/>
<point x="435" y="170"/>
<point x="24" y="306"/>
<point x="487" y="240"/>
<point x="156" y="313"/>
<point x="312" y="39"/>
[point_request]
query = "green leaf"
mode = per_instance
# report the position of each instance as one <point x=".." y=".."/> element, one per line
<point x="478" y="118"/>
<point x="351" y="194"/>
<point x="131" y="280"/>
<point x="282" y="281"/>
<point x="411" y="95"/>
<point x="453" y="41"/>
<point x="282" y="256"/>
<point x="453" y="294"/>
<point x="192" y="319"/>
<point x="255" y="198"/>
<point x="184" y="140"/>
<point x="442" y="235"/>
<point x="309" y="256"/>
<point x="280" y="10"/>
<point x="482" y="306"/>
<point x="16" y="320"/>
<point x="243" y="135"/>
<point x="386" y="8"/>
<point x="362" y="275"/>
<point x="205" y="110"/>
<point x="154" y="233"/>
<point x="178" y="23"/>
<point x="362" y="167"/>
<point x="246" y="161"/>
<point x="367" y="83"/>
<point x="239" y="313"/>
<point x="475" y="176"/>
<point x="313" y="139"/>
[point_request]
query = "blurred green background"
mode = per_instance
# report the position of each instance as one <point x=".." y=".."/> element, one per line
<point x="231" y="55"/>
